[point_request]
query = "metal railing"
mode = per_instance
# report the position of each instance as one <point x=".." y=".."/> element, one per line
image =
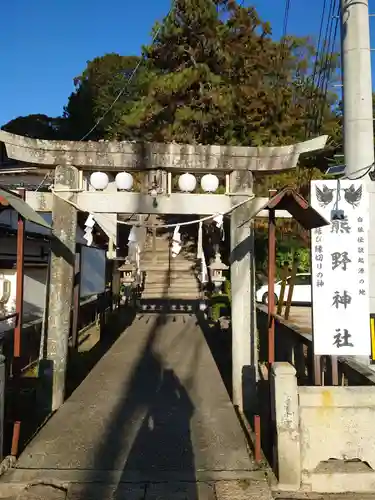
<point x="294" y="346"/>
<point x="19" y="376"/>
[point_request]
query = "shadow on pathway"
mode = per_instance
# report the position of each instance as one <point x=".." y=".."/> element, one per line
<point x="156" y="411"/>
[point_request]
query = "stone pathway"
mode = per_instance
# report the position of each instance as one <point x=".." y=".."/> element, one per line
<point x="322" y="496"/>
<point x="152" y="420"/>
<point x="223" y="490"/>
<point x="220" y="490"/>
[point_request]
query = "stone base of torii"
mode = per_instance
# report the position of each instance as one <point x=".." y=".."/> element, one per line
<point x="74" y="161"/>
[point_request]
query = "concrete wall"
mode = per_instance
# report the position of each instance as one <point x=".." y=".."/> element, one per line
<point x="325" y="439"/>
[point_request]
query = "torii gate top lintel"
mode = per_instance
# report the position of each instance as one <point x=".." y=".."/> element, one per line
<point x="69" y="158"/>
<point x="132" y="156"/>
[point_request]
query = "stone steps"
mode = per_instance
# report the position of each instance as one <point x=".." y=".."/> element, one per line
<point x="166" y="277"/>
<point x="192" y="288"/>
<point x="163" y="255"/>
<point x="172" y="283"/>
<point x="160" y="243"/>
<point x="177" y="265"/>
<point x="171" y="295"/>
<point x="159" y="248"/>
<point x="166" y="264"/>
<point x="161" y="276"/>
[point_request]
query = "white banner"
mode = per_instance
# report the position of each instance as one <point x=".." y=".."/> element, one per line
<point x="339" y="256"/>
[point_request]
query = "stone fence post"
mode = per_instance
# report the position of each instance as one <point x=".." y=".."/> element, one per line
<point x="2" y="403"/>
<point x="285" y="415"/>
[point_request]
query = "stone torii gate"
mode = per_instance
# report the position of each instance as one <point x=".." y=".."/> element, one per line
<point x="73" y="162"/>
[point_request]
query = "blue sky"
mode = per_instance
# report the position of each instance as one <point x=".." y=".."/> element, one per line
<point x="44" y="43"/>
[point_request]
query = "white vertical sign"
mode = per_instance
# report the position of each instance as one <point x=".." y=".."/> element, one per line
<point x="339" y="255"/>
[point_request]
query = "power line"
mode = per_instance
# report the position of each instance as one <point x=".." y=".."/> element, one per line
<point x="329" y="47"/>
<point x="118" y="96"/>
<point x="280" y="56"/>
<point x="286" y="17"/>
<point x="323" y="60"/>
<point x="319" y="85"/>
<point x="326" y="43"/>
<point x="310" y="104"/>
<point x="128" y="81"/>
<point x="329" y="68"/>
<point x="283" y="39"/>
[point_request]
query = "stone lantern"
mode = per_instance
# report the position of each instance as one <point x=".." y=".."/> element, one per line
<point x="127" y="274"/>
<point x="216" y="272"/>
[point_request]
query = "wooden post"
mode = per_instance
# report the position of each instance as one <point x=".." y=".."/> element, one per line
<point x="335" y="370"/>
<point x="284" y="277"/>
<point x="63" y="250"/>
<point x="20" y="281"/>
<point x="271" y="285"/>
<point x="116" y="284"/>
<point x="76" y="297"/>
<point x="154" y="242"/>
<point x="291" y="288"/>
<point x="317" y="370"/>
<point x="17" y="339"/>
<point x="244" y="336"/>
<point x="258" y="439"/>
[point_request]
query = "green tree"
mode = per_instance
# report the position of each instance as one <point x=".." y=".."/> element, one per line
<point x="187" y="99"/>
<point x="96" y="89"/>
<point x="210" y="66"/>
<point x="35" y="126"/>
<point x="216" y="76"/>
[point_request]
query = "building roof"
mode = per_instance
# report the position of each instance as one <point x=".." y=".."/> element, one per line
<point x="288" y="199"/>
<point x="8" y="198"/>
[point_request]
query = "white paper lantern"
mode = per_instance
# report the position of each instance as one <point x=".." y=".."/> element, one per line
<point x="209" y="183"/>
<point x="187" y="183"/>
<point x="99" y="180"/>
<point x="124" y="181"/>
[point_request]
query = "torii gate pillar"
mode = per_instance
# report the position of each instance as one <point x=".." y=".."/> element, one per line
<point x="63" y="249"/>
<point x="244" y="335"/>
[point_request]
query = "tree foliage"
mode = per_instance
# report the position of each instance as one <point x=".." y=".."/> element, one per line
<point x="95" y="91"/>
<point x="35" y="126"/>
<point x="213" y="75"/>
<point x="219" y="78"/>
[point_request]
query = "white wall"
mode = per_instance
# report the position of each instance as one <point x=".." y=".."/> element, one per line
<point x="92" y="282"/>
<point x="34" y="291"/>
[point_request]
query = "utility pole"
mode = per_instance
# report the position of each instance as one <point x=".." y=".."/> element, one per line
<point x="358" y="112"/>
<point x="357" y="86"/>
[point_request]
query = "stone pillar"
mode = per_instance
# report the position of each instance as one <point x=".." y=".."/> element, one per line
<point x="2" y="403"/>
<point x="63" y="246"/>
<point x="244" y="336"/>
<point x="285" y="413"/>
